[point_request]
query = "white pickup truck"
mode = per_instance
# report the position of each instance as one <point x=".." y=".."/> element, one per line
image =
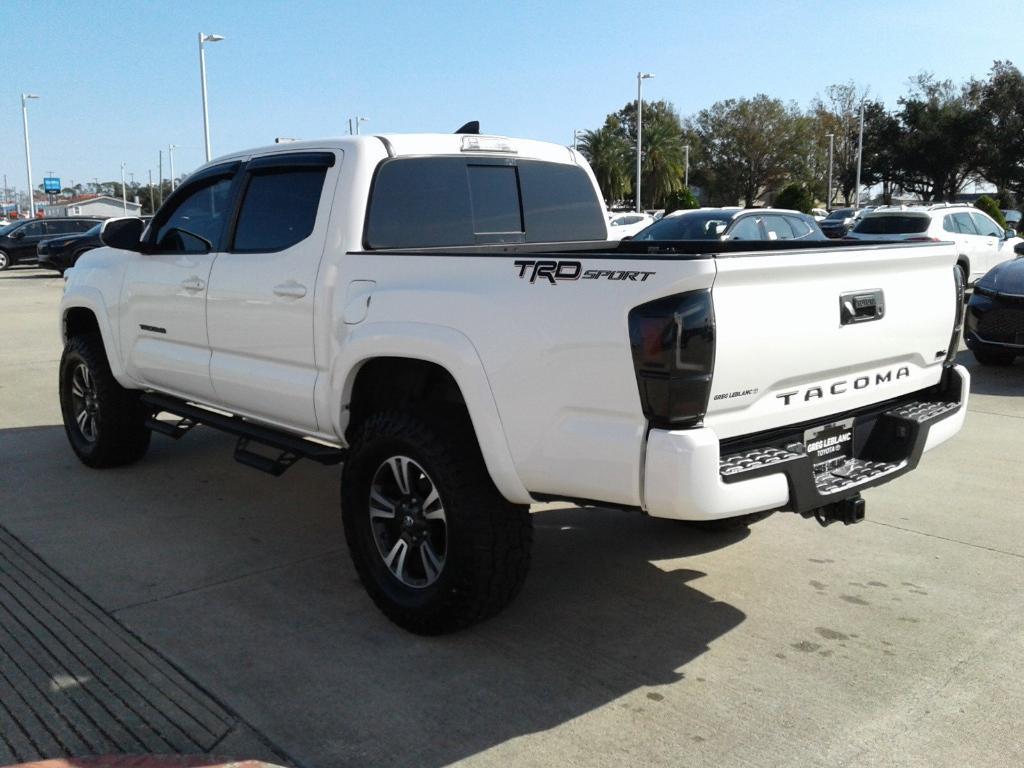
<point x="444" y="315"/>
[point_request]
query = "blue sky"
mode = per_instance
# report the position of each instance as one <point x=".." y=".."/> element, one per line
<point x="124" y="83"/>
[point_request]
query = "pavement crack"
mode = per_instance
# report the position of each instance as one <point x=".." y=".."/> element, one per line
<point x="222" y="582"/>
<point x="946" y="538"/>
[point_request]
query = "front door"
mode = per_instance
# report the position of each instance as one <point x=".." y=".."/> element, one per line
<point x="261" y="296"/>
<point x="163" y="318"/>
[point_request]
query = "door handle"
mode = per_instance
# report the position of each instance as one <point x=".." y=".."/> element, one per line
<point x="861" y="307"/>
<point x="193" y="283"/>
<point x="290" y="290"/>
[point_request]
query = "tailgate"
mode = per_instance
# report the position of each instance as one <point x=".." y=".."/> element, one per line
<point x="806" y="334"/>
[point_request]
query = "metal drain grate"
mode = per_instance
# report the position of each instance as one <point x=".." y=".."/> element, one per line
<point x="75" y="682"/>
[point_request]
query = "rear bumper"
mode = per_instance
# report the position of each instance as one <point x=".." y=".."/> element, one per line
<point x="691" y="475"/>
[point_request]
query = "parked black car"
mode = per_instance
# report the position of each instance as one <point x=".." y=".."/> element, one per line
<point x="61" y="253"/>
<point x="19" y="239"/>
<point x="838" y="222"/>
<point x="994" y="327"/>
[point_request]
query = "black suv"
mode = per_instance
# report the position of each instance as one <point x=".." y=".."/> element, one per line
<point x="19" y="239"/>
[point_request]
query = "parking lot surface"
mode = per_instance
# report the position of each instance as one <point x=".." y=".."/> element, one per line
<point x="898" y="641"/>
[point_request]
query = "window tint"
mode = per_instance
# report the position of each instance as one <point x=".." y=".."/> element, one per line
<point x="800" y="227"/>
<point x="746" y="228"/>
<point x="279" y="209"/>
<point x="692" y="225"/>
<point x="422" y="202"/>
<point x="986" y="226"/>
<point x="778" y="228"/>
<point x="34" y="228"/>
<point x="964" y="224"/>
<point x="197" y="219"/>
<point x="494" y="196"/>
<point x="888" y="224"/>
<point x="948" y="224"/>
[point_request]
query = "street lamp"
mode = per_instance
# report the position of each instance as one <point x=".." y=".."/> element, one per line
<point x="686" y="168"/>
<point x="831" y="149"/>
<point x="28" y="153"/>
<point x="202" y="77"/>
<point x="640" y="77"/>
<point x="170" y="156"/>
<point x="124" y="194"/>
<point x="860" y="156"/>
<point x="575" y="137"/>
<point x="360" y="120"/>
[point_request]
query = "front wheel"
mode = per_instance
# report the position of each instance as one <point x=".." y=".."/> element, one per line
<point x="104" y="422"/>
<point x="5" y="261"/>
<point x="433" y="541"/>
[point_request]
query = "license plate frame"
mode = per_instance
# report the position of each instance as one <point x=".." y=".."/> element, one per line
<point x="830" y="446"/>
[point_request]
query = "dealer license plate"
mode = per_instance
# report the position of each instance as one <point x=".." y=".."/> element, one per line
<point x="830" y="446"/>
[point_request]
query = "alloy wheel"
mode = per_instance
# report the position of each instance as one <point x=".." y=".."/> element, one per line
<point x="408" y="522"/>
<point x="84" y="402"/>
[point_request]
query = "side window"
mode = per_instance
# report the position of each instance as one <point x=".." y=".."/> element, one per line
<point x="949" y="225"/>
<point x="279" y="209"/>
<point x="964" y="223"/>
<point x="986" y="226"/>
<point x="196" y="222"/>
<point x="800" y="227"/>
<point x="34" y="229"/>
<point x="84" y="226"/>
<point x="60" y="227"/>
<point x="778" y="228"/>
<point x="746" y="228"/>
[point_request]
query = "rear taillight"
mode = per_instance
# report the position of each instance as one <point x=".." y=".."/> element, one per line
<point x="954" y="342"/>
<point x="673" y="343"/>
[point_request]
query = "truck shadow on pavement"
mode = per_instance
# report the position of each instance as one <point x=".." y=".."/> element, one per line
<point x="993" y="380"/>
<point x="243" y="581"/>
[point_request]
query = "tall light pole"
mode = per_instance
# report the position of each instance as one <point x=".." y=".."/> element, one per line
<point x="575" y="137"/>
<point x="28" y="153"/>
<point x="124" y="195"/>
<point x="860" y="156"/>
<point x="152" y="200"/>
<point x="170" y="157"/>
<point x="360" y="120"/>
<point x="640" y="77"/>
<point x="831" y="149"/>
<point x="686" y="168"/>
<point x="203" y="39"/>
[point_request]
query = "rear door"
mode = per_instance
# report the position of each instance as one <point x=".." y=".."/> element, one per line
<point x="970" y="243"/>
<point x="163" y="313"/>
<point x="990" y="237"/>
<point x="261" y="297"/>
<point x="788" y="350"/>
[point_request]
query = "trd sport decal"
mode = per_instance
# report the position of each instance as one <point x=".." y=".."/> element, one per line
<point x="553" y="271"/>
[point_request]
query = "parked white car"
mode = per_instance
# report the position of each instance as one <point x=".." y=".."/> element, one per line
<point x="622" y="225"/>
<point x="981" y="243"/>
<point x="819" y="214"/>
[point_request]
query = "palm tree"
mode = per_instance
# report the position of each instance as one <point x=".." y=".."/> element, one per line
<point x="610" y="157"/>
<point x="663" y="162"/>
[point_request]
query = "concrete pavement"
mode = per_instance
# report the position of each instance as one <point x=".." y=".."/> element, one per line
<point x="895" y="642"/>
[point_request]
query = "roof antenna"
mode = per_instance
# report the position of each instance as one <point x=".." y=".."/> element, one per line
<point x="473" y="126"/>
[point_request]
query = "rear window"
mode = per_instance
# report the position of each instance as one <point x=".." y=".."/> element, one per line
<point x="692" y="225"/>
<point x="893" y="225"/>
<point x="424" y="202"/>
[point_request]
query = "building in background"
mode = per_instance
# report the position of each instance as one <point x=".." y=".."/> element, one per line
<point x="102" y="206"/>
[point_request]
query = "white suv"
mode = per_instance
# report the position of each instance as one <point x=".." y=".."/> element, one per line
<point x="981" y="242"/>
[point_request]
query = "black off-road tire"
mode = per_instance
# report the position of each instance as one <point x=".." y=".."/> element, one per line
<point x="487" y="538"/>
<point x="120" y="435"/>
<point x="729" y="523"/>
<point x="996" y="357"/>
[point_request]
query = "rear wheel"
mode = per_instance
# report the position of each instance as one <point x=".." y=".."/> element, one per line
<point x="433" y="541"/>
<point x="104" y="422"/>
<point x="965" y="272"/>
<point x="999" y="357"/>
<point x="5" y="261"/>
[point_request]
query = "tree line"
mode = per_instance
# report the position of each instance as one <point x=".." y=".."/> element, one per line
<point x="939" y="137"/>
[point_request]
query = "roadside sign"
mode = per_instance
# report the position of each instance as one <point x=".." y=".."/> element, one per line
<point x="51" y="184"/>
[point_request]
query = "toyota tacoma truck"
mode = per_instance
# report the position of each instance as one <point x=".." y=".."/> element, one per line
<point x="444" y="316"/>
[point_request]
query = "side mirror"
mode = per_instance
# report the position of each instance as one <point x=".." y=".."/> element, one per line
<point x="1019" y="249"/>
<point x="17" y="234"/>
<point x="125" y="234"/>
<point x="1008" y="233"/>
